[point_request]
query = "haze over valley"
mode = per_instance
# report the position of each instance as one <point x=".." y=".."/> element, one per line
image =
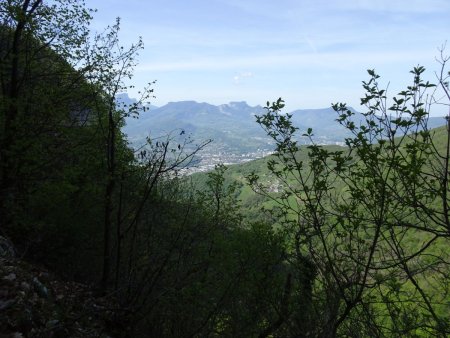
<point x="235" y="135"/>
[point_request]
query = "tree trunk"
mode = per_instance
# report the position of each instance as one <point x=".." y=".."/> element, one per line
<point x="110" y="185"/>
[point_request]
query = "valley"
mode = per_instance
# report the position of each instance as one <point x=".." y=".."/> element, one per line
<point x="235" y="135"/>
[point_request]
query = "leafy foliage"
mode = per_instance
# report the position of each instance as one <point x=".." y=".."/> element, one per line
<point x="370" y="218"/>
<point x="351" y="241"/>
<point x="173" y="261"/>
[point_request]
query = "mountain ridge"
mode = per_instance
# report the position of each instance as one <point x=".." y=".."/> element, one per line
<point x="232" y="126"/>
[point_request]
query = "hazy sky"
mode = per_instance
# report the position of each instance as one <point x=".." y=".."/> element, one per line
<point x="309" y="52"/>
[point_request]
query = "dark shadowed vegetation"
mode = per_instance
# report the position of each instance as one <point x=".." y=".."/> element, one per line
<point x="313" y="241"/>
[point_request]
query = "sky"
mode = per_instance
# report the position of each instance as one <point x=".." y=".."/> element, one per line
<point x="311" y="53"/>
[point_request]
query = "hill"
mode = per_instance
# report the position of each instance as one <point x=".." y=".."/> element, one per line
<point x="252" y="202"/>
<point x="232" y="127"/>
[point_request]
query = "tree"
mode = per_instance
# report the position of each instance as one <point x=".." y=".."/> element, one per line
<point x="40" y="44"/>
<point x="197" y="270"/>
<point x="107" y="65"/>
<point x="370" y="218"/>
<point x="69" y="180"/>
<point x="58" y="108"/>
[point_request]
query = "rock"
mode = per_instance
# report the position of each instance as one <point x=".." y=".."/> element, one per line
<point x="25" y="286"/>
<point x="6" y="304"/>
<point x="52" y="324"/>
<point x="40" y="288"/>
<point x="6" y="248"/>
<point x="33" y="303"/>
<point x="10" y="277"/>
<point x="12" y="335"/>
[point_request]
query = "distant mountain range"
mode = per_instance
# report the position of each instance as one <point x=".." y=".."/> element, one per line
<point x="232" y="126"/>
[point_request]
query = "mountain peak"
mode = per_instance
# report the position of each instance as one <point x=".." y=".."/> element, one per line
<point x="238" y="104"/>
<point x="186" y="102"/>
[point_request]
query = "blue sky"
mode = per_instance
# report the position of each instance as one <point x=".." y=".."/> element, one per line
<point x="309" y="52"/>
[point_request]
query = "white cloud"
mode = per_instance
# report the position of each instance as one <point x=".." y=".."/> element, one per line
<point x="237" y="79"/>
<point x="328" y="60"/>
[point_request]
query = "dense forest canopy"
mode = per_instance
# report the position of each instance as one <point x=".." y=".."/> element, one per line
<point x="352" y="241"/>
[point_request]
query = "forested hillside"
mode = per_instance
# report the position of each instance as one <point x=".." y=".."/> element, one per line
<point x="98" y="239"/>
